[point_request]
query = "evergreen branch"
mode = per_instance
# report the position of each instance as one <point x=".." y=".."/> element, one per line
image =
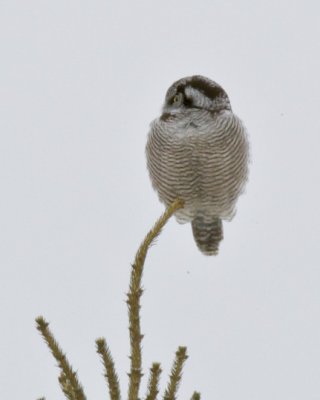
<point x="68" y="379"/>
<point x="67" y="387"/>
<point x="110" y="372"/>
<point x="196" y="396"/>
<point x="176" y="373"/>
<point x="133" y="300"/>
<point x="153" y="384"/>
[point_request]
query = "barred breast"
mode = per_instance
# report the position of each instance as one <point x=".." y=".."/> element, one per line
<point x="201" y="158"/>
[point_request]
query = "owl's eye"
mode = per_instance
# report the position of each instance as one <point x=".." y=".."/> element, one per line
<point x="177" y="98"/>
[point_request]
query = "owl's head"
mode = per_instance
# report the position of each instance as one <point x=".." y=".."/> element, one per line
<point x="195" y="92"/>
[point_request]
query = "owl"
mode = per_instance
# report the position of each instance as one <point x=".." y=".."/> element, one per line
<point x="198" y="150"/>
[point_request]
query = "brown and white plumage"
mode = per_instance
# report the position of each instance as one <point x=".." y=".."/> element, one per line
<point x="198" y="150"/>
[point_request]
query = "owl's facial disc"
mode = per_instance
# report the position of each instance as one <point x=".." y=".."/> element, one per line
<point x="195" y="92"/>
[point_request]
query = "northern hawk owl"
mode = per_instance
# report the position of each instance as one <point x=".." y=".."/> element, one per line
<point x="197" y="150"/>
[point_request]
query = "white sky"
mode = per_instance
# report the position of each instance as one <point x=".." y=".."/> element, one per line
<point x="80" y="82"/>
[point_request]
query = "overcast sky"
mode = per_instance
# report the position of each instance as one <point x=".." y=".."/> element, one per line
<point x="80" y="82"/>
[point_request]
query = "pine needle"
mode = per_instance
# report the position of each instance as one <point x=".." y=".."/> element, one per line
<point x="133" y="300"/>
<point x="176" y="374"/>
<point x="68" y="379"/>
<point x="153" y="385"/>
<point x="110" y="372"/>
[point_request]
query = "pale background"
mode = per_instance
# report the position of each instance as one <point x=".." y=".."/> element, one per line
<point x="80" y="83"/>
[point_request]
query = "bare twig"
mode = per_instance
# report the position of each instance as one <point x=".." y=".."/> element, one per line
<point x="133" y="300"/>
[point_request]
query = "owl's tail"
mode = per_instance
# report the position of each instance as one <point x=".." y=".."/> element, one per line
<point x="207" y="234"/>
